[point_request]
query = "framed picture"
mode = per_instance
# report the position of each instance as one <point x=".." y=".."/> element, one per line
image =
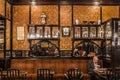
<point x="20" y="33"/>
<point x="93" y="32"/>
<point x="100" y="32"/>
<point x="77" y="32"/>
<point x="39" y="32"/>
<point x="66" y="31"/>
<point x="85" y="32"/>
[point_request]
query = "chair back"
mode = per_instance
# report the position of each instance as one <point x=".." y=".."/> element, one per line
<point x="117" y="73"/>
<point x="74" y="74"/>
<point x="44" y="74"/>
<point x="1" y="74"/>
<point x="13" y="74"/>
<point x="109" y="74"/>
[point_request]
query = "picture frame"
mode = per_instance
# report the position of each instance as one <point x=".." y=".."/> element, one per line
<point x="85" y="32"/>
<point x="100" y="32"/>
<point x="93" y="32"/>
<point x="77" y="32"/>
<point x="66" y="31"/>
<point x="20" y="33"/>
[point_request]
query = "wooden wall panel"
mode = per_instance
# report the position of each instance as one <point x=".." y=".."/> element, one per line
<point x="8" y="10"/>
<point x="65" y="20"/>
<point x="1" y="54"/>
<point x="2" y="7"/>
<point x="7" y="35"/>
<point x="86" y="13"/>
<point x="110" y="12"/>
<point x="20" y="19"/>
<point x="58" y="66"/>
<point x="83" y="13"/>
<point x="51" y="13"/>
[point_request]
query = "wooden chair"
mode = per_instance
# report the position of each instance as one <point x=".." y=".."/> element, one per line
<point x="2" y="77"/>
<point x="14" y="74"/>
<point x="74" y="74"/>
<point x="117" y="73"/>
<point x="109" y="74"/>
<point x="44" y="74"/>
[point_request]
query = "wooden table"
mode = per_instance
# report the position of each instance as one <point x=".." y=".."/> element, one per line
<point x="101" y="73"/>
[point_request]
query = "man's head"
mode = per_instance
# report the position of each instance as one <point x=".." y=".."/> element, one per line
<point x="95" y="59"/>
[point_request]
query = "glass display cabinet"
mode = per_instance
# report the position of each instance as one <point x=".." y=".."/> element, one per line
<point x="111" y="40"/>
<point x="99" y="37"/>
<point x="2" y="34"/>
<point x="43" y="40"/>
<point x="43" y="31"/>
<point x="88" y="39"/>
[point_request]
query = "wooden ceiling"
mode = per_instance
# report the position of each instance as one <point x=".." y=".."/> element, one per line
<point x="80" y="2"/>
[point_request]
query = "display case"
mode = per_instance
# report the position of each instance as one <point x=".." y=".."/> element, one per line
<point x="111" y="40"/>
<point x="111" y="34"/>
<point x="88" y="32"/>
<point x="43" y="32"/>
<point x="2" y="34"/>
<point x="43" y="39"/>
<point x="87" y="38"/>
<point x="101" y="37"/>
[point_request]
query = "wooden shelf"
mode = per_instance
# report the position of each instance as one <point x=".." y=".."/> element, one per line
<point x="86" y="25"/>
<point x="45" y="39"/>
<point x="35" y="25"/>
<point x="88" y="39"/>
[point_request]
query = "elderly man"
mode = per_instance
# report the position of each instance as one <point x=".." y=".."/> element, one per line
<point x="93" y="64"/>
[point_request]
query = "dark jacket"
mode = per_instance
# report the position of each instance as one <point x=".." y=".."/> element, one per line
<point x="91" y="66"/>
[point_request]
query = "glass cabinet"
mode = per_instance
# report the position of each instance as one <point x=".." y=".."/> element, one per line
<point x="111" y="40"/>
<point x="2" y="32"/>
<point x="88" y="31"/>
<point x="43" y="40"/>
<point x="102" y="37"/>
<point x="43" y="31"/>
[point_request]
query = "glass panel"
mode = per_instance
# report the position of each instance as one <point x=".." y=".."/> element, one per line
<point x="1" y="22"/>
<point x="77" y="32"/>
<point x="31" y="33"/>
<point x="108" y="50"/>
<point x="84" y="32"/>
<point x="100" y="32"/>
<point x="47" y="33"/>
<point x="118" y="32"/>
<point x="55" y="32"/>
<point x="1" y="34"/>
<point x="39" y="32"/>
<point x="108" y="30"/>
<point x="92" y="32"/>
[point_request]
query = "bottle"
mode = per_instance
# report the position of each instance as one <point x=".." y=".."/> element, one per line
<point x="77" y="21"/>
<point x="99" y="22"/>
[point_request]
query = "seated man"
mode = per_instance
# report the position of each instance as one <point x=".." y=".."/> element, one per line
<point x="93" y="64"/>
